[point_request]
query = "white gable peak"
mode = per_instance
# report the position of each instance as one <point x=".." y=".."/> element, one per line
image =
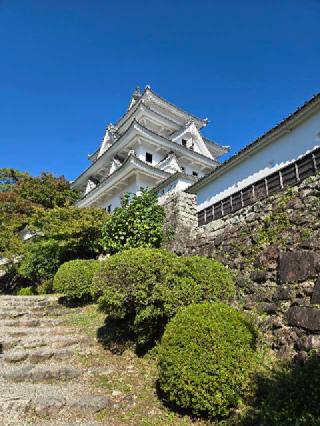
<point x="190" y="137"/>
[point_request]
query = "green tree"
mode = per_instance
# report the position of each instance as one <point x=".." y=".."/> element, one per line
<point x="62" y="234"/>
<point x="21" y="195"/>
<point x="10" y="177"/>
<point x="47" y="190"/>
<point x="137" y="223"/>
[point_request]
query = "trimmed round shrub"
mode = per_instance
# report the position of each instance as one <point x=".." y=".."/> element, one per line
<point x="74" y="278"/>
<point x="126" y="280"/>
<point x="205" y="359"/>
<point x="198" y="280"/>
<point x="147" y="286"/>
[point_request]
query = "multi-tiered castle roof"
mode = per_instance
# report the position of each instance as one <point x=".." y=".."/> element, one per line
<point x="153" y="144"/>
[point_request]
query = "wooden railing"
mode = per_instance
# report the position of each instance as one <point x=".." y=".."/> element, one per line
<point x="289" y="175"/>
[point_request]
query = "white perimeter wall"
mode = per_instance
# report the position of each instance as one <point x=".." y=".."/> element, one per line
<point x="286" y="149"/>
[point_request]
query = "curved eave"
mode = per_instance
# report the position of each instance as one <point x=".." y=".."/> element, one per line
<point x="156" y="98"/>
<point x="170" y="145"/>
<point x="201" y="122"/>
<point x="127" y="138"/>
<point x="216" y="149"/>
<point x="172" y="178"/>
<point x="281" y="129"/>
<point x="131" y="165"/>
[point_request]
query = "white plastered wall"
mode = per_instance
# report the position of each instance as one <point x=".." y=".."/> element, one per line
<point x="268" y="159"/>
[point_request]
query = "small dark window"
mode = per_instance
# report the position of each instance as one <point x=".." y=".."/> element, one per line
<point x="148" y="157"/>
<point x="109" y="208"/>
<point x="194" y="173"/>
<point x="183" y="169"/>
<point x="184" y="142"/>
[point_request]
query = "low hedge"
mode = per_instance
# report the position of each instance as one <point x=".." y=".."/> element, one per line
<point x="205" y="359"/>
<point x="74" y="278"/>
<point x="147" y="286"/>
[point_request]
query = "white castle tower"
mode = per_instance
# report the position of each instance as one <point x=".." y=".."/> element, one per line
<point x="154" y="144"/>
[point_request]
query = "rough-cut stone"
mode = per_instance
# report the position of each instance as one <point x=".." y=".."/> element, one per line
<point x="268" y="258"/>
<point x="29" y="323"/>
<point x="296" y="266"/>
<point x="315" y="298"/>
<point x="19" y="374"/>
<point x="44" y="374"/>
<point x="91" y="404"/>
<point x="16" y="356"/>
<point x="235" y="240"/>
<point x="305" y="317"/>
<point x="282" y="293"/>
<point x="268" y="308"/>
<point x="60" y="355"/>
<point x="259" y="276"/>
<point x="40" y="356"/>
<point x="48" y="405"/>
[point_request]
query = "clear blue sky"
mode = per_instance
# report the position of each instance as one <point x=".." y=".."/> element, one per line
<point x="68" y="68"/>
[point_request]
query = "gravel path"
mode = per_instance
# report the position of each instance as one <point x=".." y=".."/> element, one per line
<point x="41" y="382"/>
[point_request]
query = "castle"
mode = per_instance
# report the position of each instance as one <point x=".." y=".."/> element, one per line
<point x="154" y="144"/>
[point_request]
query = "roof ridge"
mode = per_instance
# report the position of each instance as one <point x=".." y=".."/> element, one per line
<point x="269" y="133"/>
<point x="204" y="120"/>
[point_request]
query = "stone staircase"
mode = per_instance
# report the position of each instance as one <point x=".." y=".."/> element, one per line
<point x="41" y="380"/>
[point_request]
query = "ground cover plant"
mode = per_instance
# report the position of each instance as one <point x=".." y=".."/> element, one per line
<point x="288" y="396"/>
<point x="206" y="356"/>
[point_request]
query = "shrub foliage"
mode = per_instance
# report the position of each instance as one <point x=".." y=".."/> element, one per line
<point x="147" y="286"/>
<point x="63" y="234"/>
<point x="205" y="359"/>
<point x="138" y="223"/>
<point x="74" y="278"/>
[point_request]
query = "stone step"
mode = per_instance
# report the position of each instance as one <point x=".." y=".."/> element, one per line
<point x="39" y="331"/>
<point x="28" y="314"/>
<point x="38" y="356"/>
<point x="7" y="343"/>
<point x="50" y="405"/>
<point x="41" y="374"/>
<point x="52" y="341"/>
<point x="31" y="322"/>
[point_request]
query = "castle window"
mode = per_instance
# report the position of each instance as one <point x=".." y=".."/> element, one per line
<point x="183" y="168"/>
<point x="184" y="142"/>
<point x="148" y="157"/>
<point x="109" y="208"/>
<point x="194" y="173"/>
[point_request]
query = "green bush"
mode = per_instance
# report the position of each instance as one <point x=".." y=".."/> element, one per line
<point x="63" y="234"/>
<point x="199" y="279"/>
<point x="46" y="287"/>
<point x="147" y="286"/>
<point x="74" y="278"/>
<point x="137" y="223"/>
<point x="41" y="260"/>
<point x="205" y="359"/>
<point x="26" y="291"/>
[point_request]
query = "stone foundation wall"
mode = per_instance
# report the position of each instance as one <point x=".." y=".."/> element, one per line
<point x="273" y="247"/>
